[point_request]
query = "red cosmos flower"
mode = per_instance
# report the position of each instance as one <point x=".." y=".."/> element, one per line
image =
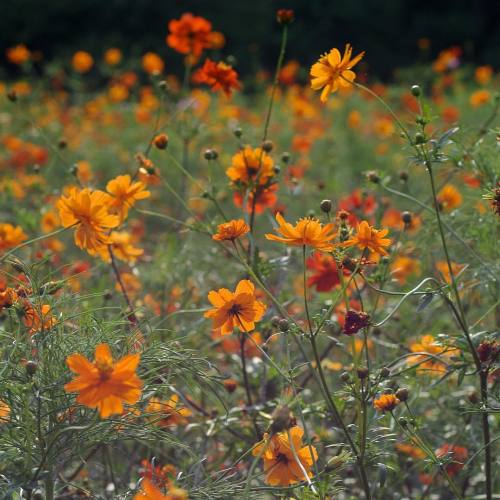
<point x="218" y="75"/>
<point x="190" y="34"/>
<point x="266" y="198"/>
<point x="357" y="202"/>
<point x="327" y="273"/>
<point x="457" y="455"/>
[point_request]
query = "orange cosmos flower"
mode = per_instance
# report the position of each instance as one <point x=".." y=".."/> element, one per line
<point x="251" y="165"/>
<point x="385" y="402"/>
<point x="229" y="231"/>
<point x="264" y="198"/>
<point x="239" y="309"/>
<point x="189" y="34"/>
<point x="82" y="61"/>
<point x="326" y="276"/>
<point x="10" y="236"/>
<point x="125" y="193"/>
<point x="456" y="454"/>
<point x="449" y="197"/>
<point x="479" y="98"/>
<point x="426" y="364"/>
<point x="306" y="232"/>
<point x="218" y="75"/>
<point x="105" y="384"/>
<point x="152" y="63"/>
<point x="18" y="54"/>
<point x="8" y="297"/>
<point x="483" y="74"/>
<point x="88" y="211"/>
<point x="279" y="454"/>
<point x="410" y="450"/>
<point x="444" y="270"/>
<point x="113" y="56"/>
<point x="368" y="237"/>
<point x="334" y="71"/>
<point x="38" y="319"/>
<point x="4" y="412"/>
<point x="166" y="413"/>
<point x="123" y="249"/>
<point x="150" y="492"/>
<point x="403" y="266"/>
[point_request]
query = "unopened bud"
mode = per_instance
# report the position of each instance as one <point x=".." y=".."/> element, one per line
<point x="362" y="372"/>
<point x="372" y="176"/>
<point x="345" y="377"/>
<point x="230" y="385"/>
<point x="267" y="146"/>
<point x="416" y="91"/>
<point x="31" y="367"/>
<point x="161" y="141"/>
<point x="238" y="132"/>
<point x="285" y="157"/>
<point x="406" y="217"/>
<point x="384" y="372"/>
<point x="402" y="394"/>
<point x="283" y="324"/>
<point x="419" y="138"/>
<point x="326" y="206"/>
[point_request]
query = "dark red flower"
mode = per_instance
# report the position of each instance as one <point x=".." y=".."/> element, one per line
<point x="354" y="321"/>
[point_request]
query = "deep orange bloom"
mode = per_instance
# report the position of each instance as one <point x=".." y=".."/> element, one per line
<point x="479" y="97"/>
<point x="82" y="61"/>
<point x="105" y="384"/>
<point x="334" y="71"/>
<point x="430" y="365"/>
<point x="152" y="63"/>
<point x="219" y="75"/>
<point x="8" y="297"/>
<point x="251" y="165"/>
<point x="457" y="455"/>
<point x="189" y="34"/>
<point x="279" y="454"/>
<point x="38" y="319"/>
<point x="326" y="276"/>
<point x="166" y="413"/>
<point x="239" y="309"/>
<point x="122" y="246"/>
<point x="18" y="54"/>
<point x="10" y="236"/>
<point x="265" y="198"/>
<point x="306" y="232"/>
<point x="449" y="198"/>
<point x="231" y="230"/>
<point x="368" y="237"/>
<point x="124" y="194"/>
<point x="386" y="402"/>
<point x="88" y="211"/>
<point x="113" y="56"/>
<point x="4" y="412"/>
<point x="444" y="270"/>
<point x="150" y="492"/>
<point x="404" y="266"/>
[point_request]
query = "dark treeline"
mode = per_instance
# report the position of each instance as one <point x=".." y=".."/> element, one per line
<point x="387" y="29"/>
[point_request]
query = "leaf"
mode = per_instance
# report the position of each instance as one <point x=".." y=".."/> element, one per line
<point x="425" y="301"/>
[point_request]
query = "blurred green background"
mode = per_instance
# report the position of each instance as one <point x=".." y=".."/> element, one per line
<point x="387" y="29"/>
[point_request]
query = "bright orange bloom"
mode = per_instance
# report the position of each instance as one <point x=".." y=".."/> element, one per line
<point x="479" y="97"/>
<point x="88" y="211"/>
<point x="105" y="384"/>
<point x="430" y="365"/>
<point x="152" y="63"/>
<point x="306" y="232"/>
<point x="38" y="319"/>
<point x="456" y="454"/>
<point x="18" y="54"/>
<point x="265" y="198"/>
<point x="410" y="450"/>
<point x="280" y="453"/>
<point x="219" y="75"/>
<point x="444" y="270"/>
<point x="125" y="193"/>
<point x="82" y="61"/>
<point x="403" y="266"/>
<point x="150" y="492"/>
<point x="251" y="165"/>
<point x="334" y="71"/>
<point x="239" y="309"/>
<point x="231" y="230"/>
<point x="50" y="222"/>
<point x="113" y="56"/>
<point x="4" y="412"/>
<point x="368" y="237"/>
<point x="166" y="413"/>
<point x="10" y="236"/>
<point x="449" y="197"/>
<point x="189" y="34"/>
<point x="483" y="74"/>
<point x="123" y="249"/>
<point x="385" y="402"/>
